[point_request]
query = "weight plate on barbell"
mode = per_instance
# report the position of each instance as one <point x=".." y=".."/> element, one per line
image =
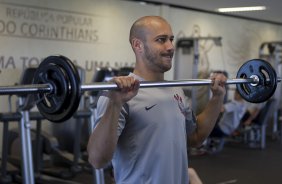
<point x="55" y="76"/>
<point x="63" y="77"/>
<point x="257" y="93"/>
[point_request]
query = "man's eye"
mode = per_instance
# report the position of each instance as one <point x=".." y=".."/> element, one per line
<point x="161" y="40"/>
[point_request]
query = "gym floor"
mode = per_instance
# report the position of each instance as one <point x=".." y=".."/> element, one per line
<point x="240" y="164"/>
<point x="236" y="164"/>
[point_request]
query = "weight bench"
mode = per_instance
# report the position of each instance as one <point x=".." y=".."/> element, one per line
<point x="256" y="135"/>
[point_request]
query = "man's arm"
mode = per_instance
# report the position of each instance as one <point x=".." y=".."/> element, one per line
<point x="103" y="139"/>
<point x="207" y="119"/>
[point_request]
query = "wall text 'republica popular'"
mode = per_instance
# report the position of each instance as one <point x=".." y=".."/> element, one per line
<point x="48" y="24"/>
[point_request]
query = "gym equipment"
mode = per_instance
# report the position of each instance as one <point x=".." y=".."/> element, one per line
<point x="256" y="137"/>
<point x="58" y="89"/>
<point x="8" y="171"/>
<point x="65" y="101"/>
<point x="187" y="56"/>
<point x="263" y="71"/>
<point x="272" y="52"/>
<point x="30" y="165"/>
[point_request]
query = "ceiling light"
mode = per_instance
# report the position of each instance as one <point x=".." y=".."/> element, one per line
<point x="238" y="9"/>
<point x="142" y="3"/>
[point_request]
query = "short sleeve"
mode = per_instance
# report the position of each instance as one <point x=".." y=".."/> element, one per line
<point x="101" y="109"/>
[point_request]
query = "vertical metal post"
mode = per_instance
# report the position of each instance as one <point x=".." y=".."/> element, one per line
<point x="38" y="148"/>
<point x="76" y="146"/>
<point x="176" y="65"/>
<point x="100" y="178"/>
<point x="4" y="177"/>
<point x="280" y="124"/>
<point x="277" y="94"/>
<point x="98" y="173"/>
<point x="195" y="72"/>
<point x="27" y="162"/>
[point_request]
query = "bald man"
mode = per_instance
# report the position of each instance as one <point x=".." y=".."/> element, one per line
<point x="144" y="132"/>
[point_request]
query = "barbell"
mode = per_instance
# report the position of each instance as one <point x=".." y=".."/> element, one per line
<point x="57" y="87"/>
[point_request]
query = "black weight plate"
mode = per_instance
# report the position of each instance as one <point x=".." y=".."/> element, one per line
<point x="267" y="81"/>
<point x="56" y="77"/>
<point x="62" y="103"/>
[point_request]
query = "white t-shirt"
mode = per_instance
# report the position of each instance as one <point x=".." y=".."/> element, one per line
<point x="152" y="145"/>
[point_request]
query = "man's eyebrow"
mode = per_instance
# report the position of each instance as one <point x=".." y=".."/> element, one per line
<point x="166" y="36"/>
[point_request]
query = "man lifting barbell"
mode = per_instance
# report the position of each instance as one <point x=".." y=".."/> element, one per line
<point x="142" y="131"/>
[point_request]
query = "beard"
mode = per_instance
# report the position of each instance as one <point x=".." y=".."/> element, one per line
<point x="158" y="61"/>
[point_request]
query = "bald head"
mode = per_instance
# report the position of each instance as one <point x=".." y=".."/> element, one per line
<point x="140" y="27"/>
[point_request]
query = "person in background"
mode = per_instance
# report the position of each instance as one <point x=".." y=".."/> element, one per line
<point x="231" y="114"/>
<point x="251" y="114"/>
<point x="144" y="132"/>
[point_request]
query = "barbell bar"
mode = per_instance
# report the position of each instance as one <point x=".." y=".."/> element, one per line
<point x="25" y="89"/>
<point x="98" y="86"/>
<point x="174" y="83"/>
<point x="58" y="90"/>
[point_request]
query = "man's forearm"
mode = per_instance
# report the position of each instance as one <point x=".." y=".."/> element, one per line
<point x="207" y="119"/>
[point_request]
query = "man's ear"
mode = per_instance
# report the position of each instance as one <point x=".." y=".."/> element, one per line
<point x="137" y="45"/>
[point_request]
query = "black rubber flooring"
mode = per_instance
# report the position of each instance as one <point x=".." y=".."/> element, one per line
<point x="236" y="164"/>
<point x="240" y="164"/>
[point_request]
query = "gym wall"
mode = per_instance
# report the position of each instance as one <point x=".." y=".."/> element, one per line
<point x="95" y="33"/>
<point x="241" y="38"/>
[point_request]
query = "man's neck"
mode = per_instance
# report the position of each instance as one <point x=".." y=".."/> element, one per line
<point x="149" y="75"/>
